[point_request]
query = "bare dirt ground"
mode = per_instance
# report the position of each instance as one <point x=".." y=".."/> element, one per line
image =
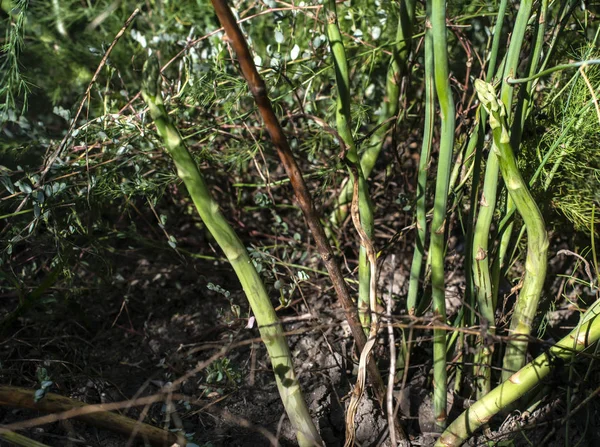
<point x="155" y="316"/>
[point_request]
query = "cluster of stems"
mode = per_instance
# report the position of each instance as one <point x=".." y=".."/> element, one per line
<point x="477" y="265"/>
<point x="397" y="69"/>
<point x="537" y="240"/>
<point x="344" y="128"/>
<point x="485" y="285"/>
<point x="483" y="269"/>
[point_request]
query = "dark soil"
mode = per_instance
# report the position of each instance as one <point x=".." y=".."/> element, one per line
<point x="154" y="316"/>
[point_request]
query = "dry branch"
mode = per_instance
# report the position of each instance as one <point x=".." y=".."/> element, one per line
<point x="11" y="396"/>
<point x="259" y="92"/>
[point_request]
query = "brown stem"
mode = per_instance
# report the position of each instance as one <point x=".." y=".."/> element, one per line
<point x="259" y="91"/>
<point x="96" y="415"/>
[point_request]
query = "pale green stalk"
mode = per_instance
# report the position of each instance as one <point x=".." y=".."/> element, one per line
<point x="478" y="282"/>
<point x="482" y="369"/>
<point x="438" y="224"/>
<point x="343" y="124"/>
<point x="390" y="106"/>
<point x="522" y="112"/>
<point x="584" y="335"/>
<point x="526" y="94"/>
<point x="537" y="239"/>
<point x="480" y="266"/>
<point x="554" y="69"/>
<point x="396" y="71"/>
<point x="412" y="303"/>
<point x="269" y="326"/>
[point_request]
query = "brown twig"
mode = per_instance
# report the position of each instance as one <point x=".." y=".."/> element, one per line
<point x="259" y="92"/>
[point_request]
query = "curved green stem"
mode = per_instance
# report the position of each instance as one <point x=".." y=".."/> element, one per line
<point x="478" y="285"/>
<point x="343" y="123"/>
<point x="537" y="239"/>
<point x="584" y="335"/>
<point x="554" y="69"/>
<point x="521" y="114"/>
<point x="269" y="326"/>
<point x="480" y="263"/>
<point x="396" y="70"/>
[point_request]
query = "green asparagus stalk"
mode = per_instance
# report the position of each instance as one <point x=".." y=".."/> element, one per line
<point x="480" y="264"/>
<point x="396" y="71"/>
<point x="537" y="240"/>
<point x="523" y="108"/>
<point x="477" y="288"/>
<point x="438" y="237"/>
<point x="343" y="124"/>
<point x="269" y="326"/>
<point x="412" y="303"/>
<point x="584" y="335"/>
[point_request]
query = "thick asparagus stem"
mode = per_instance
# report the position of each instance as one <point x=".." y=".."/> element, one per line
<point x="268" y="322"/>
<point x="396" y="71"/>
<point x="343" y="123"/>
<point x="412" y="303"/>
<point x="480" y="264"/>
<point x="438" y="224"/>
<point x="537" y="240"/>
<point x="584" y="335"/>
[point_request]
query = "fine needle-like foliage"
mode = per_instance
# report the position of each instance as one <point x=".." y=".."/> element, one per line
<point x="13" y="84"/>
<point x="270" y="328"/>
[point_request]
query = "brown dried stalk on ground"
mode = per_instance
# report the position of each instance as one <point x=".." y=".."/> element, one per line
<point x="96" y="415"/>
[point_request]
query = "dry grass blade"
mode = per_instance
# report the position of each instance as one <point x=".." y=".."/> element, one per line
<point x="365" y="354"/>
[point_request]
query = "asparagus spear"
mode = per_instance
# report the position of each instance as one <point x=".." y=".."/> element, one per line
<point x="537" y="239"/>
<point x="585" y="334"/>
<point x="269" y="326"/>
